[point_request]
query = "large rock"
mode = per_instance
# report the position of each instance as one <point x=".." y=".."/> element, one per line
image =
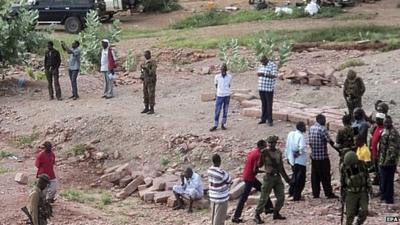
<point x="283" y="116"/>
<point x="125" y="181"/>
<point x="114" y="176"/>
<point x="162" y="197"/>
<point x="159" y="183"/>
<point x="253" y="200"/>
<point x="207" y="97"/>
<point x="172" y="201"/>
<point x="131" y="187"/>
<point x="241" y="97"/>
<point x="21" y="178"/>
<point x="250" y="103"/>
<point x="236" y="191"/>
<point x="252" y="112"/>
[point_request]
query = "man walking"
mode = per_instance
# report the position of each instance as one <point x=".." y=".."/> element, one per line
<point x="74" y="66"/>
<point x="223" y="84"/>
<point x="44" y="163"/>
<point x="389" y="152"/>
<point x="52" y="62"/>
<point x="320" y="163"/>
<point x="376" y="133"/>
<point x="296" y="155"/>
<point x="107" y="66"/>
<point x="191" y="189"/>
<point x="353" y="91"/>
<point x="272" y="160"/>
<point x="219" y="183"/>
<point x="267" y="74"/>
<point x="356" y="186"/>
<point x="40" y="209"/>
<point x="250" y="171"/>
<point x="149" y="78"/>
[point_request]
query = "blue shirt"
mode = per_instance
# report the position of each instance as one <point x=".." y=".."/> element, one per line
<point x="296" y="142"/>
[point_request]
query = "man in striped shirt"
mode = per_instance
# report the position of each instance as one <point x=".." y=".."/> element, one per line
<point x="219" y="183"/>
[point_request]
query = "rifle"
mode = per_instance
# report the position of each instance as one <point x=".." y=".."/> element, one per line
<point x="26" y="212"/>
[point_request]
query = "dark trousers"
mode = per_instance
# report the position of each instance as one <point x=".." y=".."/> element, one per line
<point x="73" y="75"/>
<point x="247" y="190"/>
<point x="52" y="75"/>
<point x="321" y="173"/>
<point x="298" y="181"/>
<point x="267" y="98"/>
<point x="387" y="182"/>
<point x="221" y="103"/>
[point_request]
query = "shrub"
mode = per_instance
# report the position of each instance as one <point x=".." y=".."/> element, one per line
<point x="130" y="62"/>
<point x="159" y="5"/>
<point x="351" y="63"/>
<point x="266" y="46"/>
<point x="78" y="150"/>
<point x="229" y="53"/>
<point x="26" y="140"/>
<point x="5" y="154"/>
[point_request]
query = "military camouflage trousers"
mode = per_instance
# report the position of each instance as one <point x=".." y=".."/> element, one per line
<point x="271" y="183"/>
<point x="352" y="103"/>
<point x="356" y="205"/>
<point x="149" y="92"/>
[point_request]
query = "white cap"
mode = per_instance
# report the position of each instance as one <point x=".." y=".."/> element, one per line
<point x="105" y="40"/>
<point x="380" y="116"/>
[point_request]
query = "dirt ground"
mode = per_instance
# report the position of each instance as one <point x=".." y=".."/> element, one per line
<point x="117" y="125"/>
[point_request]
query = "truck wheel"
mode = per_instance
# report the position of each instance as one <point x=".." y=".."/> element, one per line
<point x="73" y="25"/>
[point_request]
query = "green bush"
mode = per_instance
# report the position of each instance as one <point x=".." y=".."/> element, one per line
<point x="5" y="154"/>
<point x="78" y="150"/>
<point x="159" y="5"/>
<point x="229" y="53"/>
<point x="26" y="140"/>
<point x="351" y="63"/>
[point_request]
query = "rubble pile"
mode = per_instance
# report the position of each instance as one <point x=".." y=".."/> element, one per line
<point x="183" y="56"/>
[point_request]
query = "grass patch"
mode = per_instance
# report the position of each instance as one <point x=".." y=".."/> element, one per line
<point x="390" y="35"/>
<point x="134" y="34"/>
<point x="164" y="161"/>
<point x="351" y="63"/>
<point x="78" y="150"/>
<point x="359" y="16"/>
<point x="26" y="140"/>
<point x="215" y="18"/>
<point x="98" y="199"/>
<point x="4" y="170"/>
<point x="5" y="154"/>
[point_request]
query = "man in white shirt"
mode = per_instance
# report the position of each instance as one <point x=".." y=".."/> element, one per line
<point x="297" y="158"/>
<point x="107" y="65"/>
<point x="223" y="84"/>
<point x="191" y="189"/>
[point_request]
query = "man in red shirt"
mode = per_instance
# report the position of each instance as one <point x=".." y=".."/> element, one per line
<point x="45" y="162"/>
<point x="376" y="132"/>
<point x="250" y="171"/>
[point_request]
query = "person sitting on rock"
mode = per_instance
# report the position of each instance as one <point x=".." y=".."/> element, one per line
<point x="191" y="189"/>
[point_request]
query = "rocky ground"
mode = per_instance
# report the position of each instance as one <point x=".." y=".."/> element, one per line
<point x="175" y="137"/>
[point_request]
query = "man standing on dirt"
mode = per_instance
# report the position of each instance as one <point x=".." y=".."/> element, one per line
<point x="107" y="66"/>
<point x="250" y="171"/>
<point x="267" y="74"/>
<point x="320" y="163"/>
<point x="376" y="133"/>
<point x="353" y="91"/>
<point x="40" y="210"/>
<point x="345" y="138"/>
<point x="223" y="84"/>
<point x="45" y="162"/>
<point x="74" y="66"/>
<point x="360" y="126"/>
<point x="296" y="155"/>
<point x="191" y="189"/>
<point x="52" y="62"/>
<point x="274" y="171"/>
<point x="149" y="78"/>
<point x="219" y="183"/>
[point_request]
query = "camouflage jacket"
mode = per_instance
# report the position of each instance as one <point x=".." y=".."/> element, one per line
<point x="273" y="163"/>
<point x="345" y="140"/>
<point x="354" y="88"/>
<point x="149" y="69"/>
<point x="389" y="147"/>
<point x="355" y="178"/>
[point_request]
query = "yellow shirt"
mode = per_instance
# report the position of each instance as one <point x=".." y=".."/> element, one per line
<point x="364" y="154"/>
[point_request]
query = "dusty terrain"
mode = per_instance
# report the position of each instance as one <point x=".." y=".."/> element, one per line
<point x="116" y="125"/>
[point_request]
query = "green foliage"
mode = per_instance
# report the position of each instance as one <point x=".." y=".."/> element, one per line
<point x="266" y="46"/>
<point x="160" y="5"/>
<point x="285" y="50"/>
<point x="130" y="62"/>
<point x="91" y="37"/>
<point x="78" y="150"/>
<point x="164" y="161"/>
<point x="4" y="170"/>
<point x="5" y="154"/>
<point x="25" y="140"/>
<point x="214" y="18"/>
<point x="351" y="63"/>
<point x="229" y="53"/>
<point x="98" y="199"/>
<point x="35" y="75"/>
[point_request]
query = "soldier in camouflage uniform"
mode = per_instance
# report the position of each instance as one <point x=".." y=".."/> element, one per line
<point x="271" y="158"/>
<point x="345" y="138"/>
<point x="40" y="209"/>
<point x="149" y="78"/>
<point x="356" y="185"/>
<point x="389" y="151"/>
<point x="353" y="91"/>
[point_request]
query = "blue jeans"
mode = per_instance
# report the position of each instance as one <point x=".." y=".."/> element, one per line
<point x="73" y="75"/>
<point x="219" y="103"/>
<point x="108" y="85"/>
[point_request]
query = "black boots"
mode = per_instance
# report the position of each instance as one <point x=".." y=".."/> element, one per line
<point x="146" y="109"/>
<point x="278" y="216"/>
<point x="151" y="111"/>
<point x="257" y="219"/>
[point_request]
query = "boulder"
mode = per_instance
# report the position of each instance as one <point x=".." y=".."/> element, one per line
<point x="114" y="176"/>
<point x="162" y="197"/>
<point x="21" y="178"/>
<point x="235" y="192"/>
<point x="252" y="112"/>
<point x="131" y="187"/>
<point x="125" y="181"/>
<point x="207" y="97"/>
<point x="250" y="103"/>
<point x="148" y="196"/>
